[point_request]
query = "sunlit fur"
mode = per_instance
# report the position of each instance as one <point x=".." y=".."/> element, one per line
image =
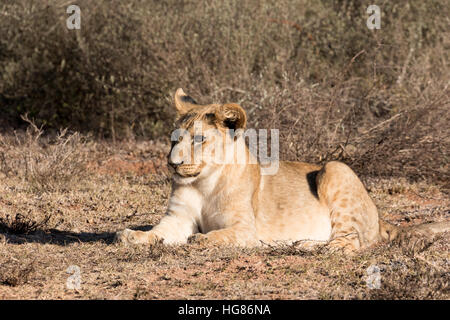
<point x="232" y="203"/>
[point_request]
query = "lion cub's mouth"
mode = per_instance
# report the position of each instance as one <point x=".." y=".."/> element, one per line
<point x="186" y="175"/>
<point x="181" y="172"/>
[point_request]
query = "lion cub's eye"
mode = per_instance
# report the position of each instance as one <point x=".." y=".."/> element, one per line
<point x="199" y="139"/>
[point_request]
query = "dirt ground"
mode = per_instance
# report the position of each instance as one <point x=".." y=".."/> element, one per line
<point x="127" y="186"/>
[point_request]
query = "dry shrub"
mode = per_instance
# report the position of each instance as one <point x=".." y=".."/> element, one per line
<point x="376" y="99"/>
<point x="319" y="126"/>
<point x="45" y="163"/>
<point x="20" y="224"/>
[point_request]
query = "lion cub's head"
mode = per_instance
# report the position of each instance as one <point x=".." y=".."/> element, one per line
<point x="206" y="138"/>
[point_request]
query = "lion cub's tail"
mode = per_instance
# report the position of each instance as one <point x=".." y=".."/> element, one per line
<point x="389" y="232"/>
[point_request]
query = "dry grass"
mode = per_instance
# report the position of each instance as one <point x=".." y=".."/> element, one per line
<point x="46" y="163"/>
<point x="14" y="273"/>
<point x="117" y="193"/>
<point x="312" y="69"/>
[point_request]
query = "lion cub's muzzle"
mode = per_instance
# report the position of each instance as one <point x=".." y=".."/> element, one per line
<point x="185" y="170"/>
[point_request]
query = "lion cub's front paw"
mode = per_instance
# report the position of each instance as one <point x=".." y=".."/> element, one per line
<point x="199" y="238"/>
<point x="129" y="237"/>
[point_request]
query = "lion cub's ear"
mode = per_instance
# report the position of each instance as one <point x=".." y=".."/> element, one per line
<point x="183" y="102"/>
<point x="232" y="116"/>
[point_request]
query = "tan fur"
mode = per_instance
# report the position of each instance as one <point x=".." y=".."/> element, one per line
<point x="236" y="204"/>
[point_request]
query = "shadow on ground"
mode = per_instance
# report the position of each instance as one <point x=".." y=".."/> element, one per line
<point x="62" y="238"/>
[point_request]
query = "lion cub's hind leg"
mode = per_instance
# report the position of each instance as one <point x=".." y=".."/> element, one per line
<point x="354" y="217"/>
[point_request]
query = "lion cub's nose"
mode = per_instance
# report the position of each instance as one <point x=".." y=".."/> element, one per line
<point x="175" y="164"/>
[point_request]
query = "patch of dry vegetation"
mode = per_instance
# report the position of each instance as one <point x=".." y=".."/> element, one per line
<point x="20" y="224"/>
<point x="377" y="99"/>
<point x="46" y="163"/>
<point x="14" y="273"/>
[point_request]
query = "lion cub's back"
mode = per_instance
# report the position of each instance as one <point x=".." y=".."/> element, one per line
<point x="288" y="207"/>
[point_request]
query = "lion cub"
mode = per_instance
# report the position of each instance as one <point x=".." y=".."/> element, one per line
<point x="222" y="194"/>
